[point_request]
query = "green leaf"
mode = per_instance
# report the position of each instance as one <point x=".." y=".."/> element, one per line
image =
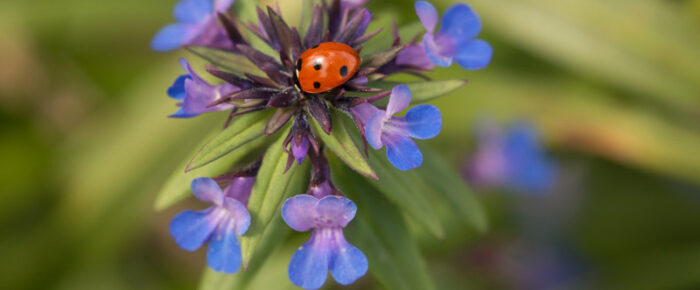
<point x="242" y="130"/>
<point x="381" y="233"/>
<point x="272" y="186"/>
<point x="177" y="187"/>
<point x="407" y="190"/>
<point x="341" y="143"/>
<point x="441" y="177"/>
<point x="424" y="91"/>
<point x="225" y="60"/>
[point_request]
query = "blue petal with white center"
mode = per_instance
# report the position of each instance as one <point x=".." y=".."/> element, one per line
<point x="308" y="267"/>
<point x="224" y="253"/>
<point x="191" y="229"/>
<point x="349" y="263"/>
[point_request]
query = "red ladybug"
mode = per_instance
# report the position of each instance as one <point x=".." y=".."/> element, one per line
<point x="326" y="66"/>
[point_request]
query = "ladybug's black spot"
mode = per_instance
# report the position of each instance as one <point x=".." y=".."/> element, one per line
<point x="299" y="64"/>
<point x="344" y="71"/>
<point x="317" y="85"/>
<point x="317" y="64"/>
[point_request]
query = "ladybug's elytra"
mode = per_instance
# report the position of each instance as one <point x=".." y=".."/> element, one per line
<point x="326" y="66"/>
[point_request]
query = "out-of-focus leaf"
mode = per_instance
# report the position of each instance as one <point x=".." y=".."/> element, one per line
<point x="177" y="187"/>
<point x="243" y="129"/>
<point x="341" y="143"/>
<point x="272" y="186"/>
<point x="384" y="39"/>
<point x="554" y="36"/>
<point x="451" y="187"/>
<point x="225" y="60"/>
<point x="381" y="233"/>
<point x="424" y="91"/>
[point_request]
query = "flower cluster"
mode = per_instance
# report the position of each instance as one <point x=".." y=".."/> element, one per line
<point x="513" y="159"/>
<point x="337" y="78"/>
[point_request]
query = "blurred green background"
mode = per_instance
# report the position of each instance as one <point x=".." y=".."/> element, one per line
<point x="614" y="87"/>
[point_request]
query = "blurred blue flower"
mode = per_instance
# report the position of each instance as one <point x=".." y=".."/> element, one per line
<point x="513" y="159"/>
<point x="195" y="94"/>
<point x="455" y="40"/>
<point x="384" y="129"/>
<point x="218" y="224"/>
<point x="196" y="24"/>
<point x="327" y="249"/>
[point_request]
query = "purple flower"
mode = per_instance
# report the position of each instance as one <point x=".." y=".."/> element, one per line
<point x="513" y="159"/>
<point x="455" y="40"/>
<point x="327" y="249"/>
<point x="196" y="25"/>
<point x="385" y="129"/>
<point x="219" y="224"/>
<point x="196" y="94"/>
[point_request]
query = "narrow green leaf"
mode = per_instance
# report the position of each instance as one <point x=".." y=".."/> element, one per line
<point x="177" y="187"/>
<point x="341" y="143"/>
<point x="242" y="130"/>
<point x="441" y="177"/>
<point x="381" y="233"/>
<point x="424" y="91"/>
<point x="407" y="190"/>
<point x="225" y="60"/>
<point x="272" y="186"/>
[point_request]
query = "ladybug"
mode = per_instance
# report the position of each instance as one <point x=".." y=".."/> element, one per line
<point x="326" y="66"/>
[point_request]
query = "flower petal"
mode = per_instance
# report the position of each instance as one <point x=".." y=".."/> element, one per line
<point x="415" y="55"/>
<point x="192" y="11"/>
<point x="170" y="37"/>
<point x="239" y="213"/>
<point x="427" y="14"/>
<point x="474" y="55"/>
<point x="181" y="114"/>
<point x="460" y="23"/>
<point x="299" y="212"/>
<point x="207" y="190"/>
<point x="299" y="151"/>
<point x="191" y="229"/>
<point x="335" y="211"/>
<point x="222" y="5"/>
<point x="373" y="129"/>
<point x="188" y="68"/>
<point x="240" y="189"/>
<point x="309" y="265"/>
<point x="436" y="52"/>
<point x="423" y="121"/>
<point x="399" y="99"/>
<point x="177" y="89"/>
<point x="403" y="153"/>
<point x="224" y="253"/>
<point x="348" y="262"/>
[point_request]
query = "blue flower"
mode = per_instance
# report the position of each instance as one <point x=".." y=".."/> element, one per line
<point x="455" y="40"/>
<point x="196" y="25"/>
<point x="219" y="224"/>
<point x="513" y="159"/>
<point x="195" y="94"/>
<point x="327" y="249"/>
<point x="385" y="129"/>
